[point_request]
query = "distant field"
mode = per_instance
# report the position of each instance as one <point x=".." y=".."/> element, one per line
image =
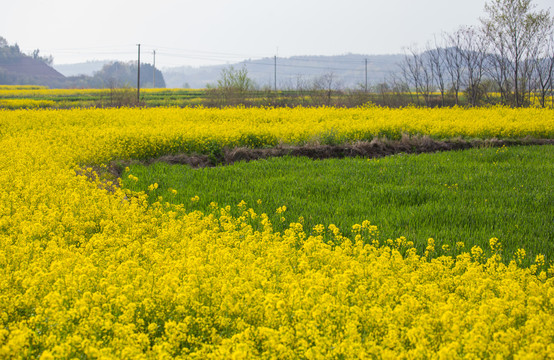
<point x="17" y="97"/>
<point x="461" y="196"/>
<point x="33" y="97"/>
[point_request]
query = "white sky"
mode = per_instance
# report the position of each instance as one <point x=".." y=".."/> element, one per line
<point x="195" y="32"/>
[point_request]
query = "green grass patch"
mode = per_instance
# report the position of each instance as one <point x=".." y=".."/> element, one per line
<point x="468" y="196"/>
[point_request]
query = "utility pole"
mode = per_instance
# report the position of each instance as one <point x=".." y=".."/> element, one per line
<point x="365" y="75"/>
<point x="275" y="72"/>
<point x="154" y="71"/>
<point x="138" y="76"/>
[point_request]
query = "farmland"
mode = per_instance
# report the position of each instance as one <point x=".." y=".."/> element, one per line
<point x="95" y="266"/>
<point x="470" y="195"/>
<point x="33" y="97"/>
<point x="39" y="97"/>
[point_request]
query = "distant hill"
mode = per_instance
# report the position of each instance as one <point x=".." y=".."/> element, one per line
<point x="17" y="68"/>
<point x="85" y="68"/>
<point x="345" y="71"/>
<point x="348" y="71"/>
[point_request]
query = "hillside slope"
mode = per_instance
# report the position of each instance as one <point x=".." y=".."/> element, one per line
<point x="348" y="71"/>
<point x="17" y="68"/>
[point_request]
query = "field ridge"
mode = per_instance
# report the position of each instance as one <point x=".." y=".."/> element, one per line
<point x="376" y="148"/>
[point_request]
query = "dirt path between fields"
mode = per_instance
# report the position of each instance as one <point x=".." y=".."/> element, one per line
<point x="372" y="149"/>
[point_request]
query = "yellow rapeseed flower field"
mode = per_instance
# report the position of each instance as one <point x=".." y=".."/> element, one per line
<point x="25" y="103"/>
<point x="88" y="270"/>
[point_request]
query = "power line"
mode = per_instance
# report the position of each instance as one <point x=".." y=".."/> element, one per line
<point x="365" y="75"/>
<point x="326" y="59"/>
<point x="307" y="67"/>
<point x="154" y="70"/>
<point x="294" y="62"/>
<point x="180" y="53"/>
<point x="253" y="64"/>
<point x="220" y="54"/>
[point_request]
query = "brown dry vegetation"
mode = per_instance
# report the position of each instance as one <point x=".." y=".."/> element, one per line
<point x="372" y="149"/>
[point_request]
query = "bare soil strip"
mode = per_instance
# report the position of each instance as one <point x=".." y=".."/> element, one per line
<point x="372" y="149"/>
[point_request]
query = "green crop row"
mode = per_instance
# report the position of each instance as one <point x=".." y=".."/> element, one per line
<point x="462" y="196"/>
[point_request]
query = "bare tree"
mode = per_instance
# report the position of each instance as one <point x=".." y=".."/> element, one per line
<point x="454" y="63"/>
<point x="302" y="87"/>
<point x="384" y="90"/>
<point x="418" y="74"/>
<point x="437" y="63"/>
<point x="411" y="72"/>
<point x="428" y="78"/>
<point x="497" y="68"/>
<point x="544" y="68"/>
<point x="325" y="85"/>
<point x="511" y="27"/>
<point x="473" y="53"/>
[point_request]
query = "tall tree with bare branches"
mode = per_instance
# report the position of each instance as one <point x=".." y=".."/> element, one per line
<point x="513" y="27"/>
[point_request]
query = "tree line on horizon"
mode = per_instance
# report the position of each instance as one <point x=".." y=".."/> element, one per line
<point x="508" y="59"/>
<point x="511" y="54"/>
<point x="119" y="74"/>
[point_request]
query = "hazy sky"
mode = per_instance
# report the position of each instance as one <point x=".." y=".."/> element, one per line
<point x="223" y="31"/>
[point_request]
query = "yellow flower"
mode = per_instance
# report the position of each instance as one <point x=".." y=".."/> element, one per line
<point x="90" y="273"/>
<point x="539" y="260"/>
<point x="476" y="252"/>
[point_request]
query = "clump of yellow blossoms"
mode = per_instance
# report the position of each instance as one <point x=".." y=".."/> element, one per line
<point x="93" y="271"/>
